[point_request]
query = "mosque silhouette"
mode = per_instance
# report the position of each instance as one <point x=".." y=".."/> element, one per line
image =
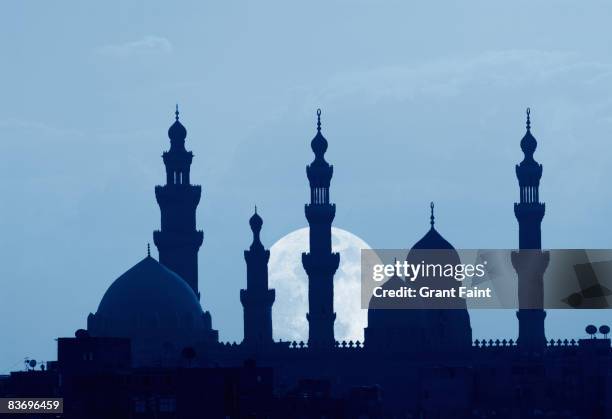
<point x="150" y="351"/>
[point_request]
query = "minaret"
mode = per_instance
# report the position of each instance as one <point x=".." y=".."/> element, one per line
<point x="178" y="241"/>
<point x="530" y="262"/>
<point x="257" y="299"/>
<point x="320" y="263"/>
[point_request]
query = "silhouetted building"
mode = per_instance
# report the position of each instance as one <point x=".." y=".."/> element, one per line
<point x="178" y="241"/>
<point x="320" y="263"/>
<point x="156" y="309"/>
<point x="406" y="325"/>
<point x="150" y="350"/>
<point x="447" y="329"/>
<point x="530" y="262"/>
<point x="257" y="299"/>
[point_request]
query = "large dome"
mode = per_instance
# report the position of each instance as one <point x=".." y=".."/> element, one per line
<point x="414" y="325"/>
<point x="155" y="308"/>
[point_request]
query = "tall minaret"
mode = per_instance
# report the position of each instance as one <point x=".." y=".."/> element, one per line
<point x="257" y="299"/>
<point x="320" y="263"/>
<point x="530" y="261"/>
<point x="178" y="241"/>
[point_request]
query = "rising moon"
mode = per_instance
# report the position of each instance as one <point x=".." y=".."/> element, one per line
<point x="288" y="277"/>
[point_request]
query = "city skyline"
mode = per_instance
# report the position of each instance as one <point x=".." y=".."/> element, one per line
<point x="87" y="148"/>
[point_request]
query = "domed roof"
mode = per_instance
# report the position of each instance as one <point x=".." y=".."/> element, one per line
<point x="319" y="143"/>
<point x="177" y="132"/>
<point x="148" y="286"/>
<point x="256" y="222"/>
<point x="528" y="142"/>
<point x="432" y="240"/>
<point x="152" y="306"/>
<point x="432" y="247"/>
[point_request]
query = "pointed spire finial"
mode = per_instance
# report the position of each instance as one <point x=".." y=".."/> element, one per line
<point x="176" y="113"/>
<point x="148" y="249"/>
<point x="431" y="217"/>
<point x="255" y="209"/>
<point x="319" y="119"/>
<point x="528" y="119"/>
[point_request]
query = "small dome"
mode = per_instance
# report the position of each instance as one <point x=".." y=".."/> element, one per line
<point x="177" y="132"/>
<point x="319" y="143"/>
<point x="255" y="222"/>
<point x="528" y="144"/>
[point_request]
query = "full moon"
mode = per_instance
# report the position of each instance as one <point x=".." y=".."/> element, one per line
<point x="288" y="277"/>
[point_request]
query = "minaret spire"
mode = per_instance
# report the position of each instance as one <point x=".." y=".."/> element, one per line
<point x="528" y="119"/>
<point x="178" y="241"/>
<point x="149" y="250"/>
<point x="530" y="262"/>
<point x="257" y="299"/>
<point x="320" y="263"/>
<point x="431" y="217"/>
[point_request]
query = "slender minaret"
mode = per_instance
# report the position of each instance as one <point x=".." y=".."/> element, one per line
<point x="530" y="261"/>
<point x="178" y="241"/>
<point x="320" y="263"/>
<point x="257" y="299"/>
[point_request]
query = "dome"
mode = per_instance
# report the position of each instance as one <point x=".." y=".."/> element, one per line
<point x="152" y="306"/>
<point x="528" y="144"/>
<point x="319" y="143"/>
<point x="433" y="240"/>
<point x="177" y="132"/>
<point x="429" y="246"/>
<point x="255" y="222"/>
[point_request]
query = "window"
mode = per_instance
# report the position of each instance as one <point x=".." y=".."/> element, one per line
<point x="167" y="404"/>
<point x="139" y="406"/>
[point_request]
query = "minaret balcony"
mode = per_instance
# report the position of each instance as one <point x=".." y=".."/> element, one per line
<point x="316" y="265"/>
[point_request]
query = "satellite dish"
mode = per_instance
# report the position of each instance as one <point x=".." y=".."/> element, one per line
<point x="591" y="330"/>
<point x="81" y="334"/>
<point x="604" y="330"/>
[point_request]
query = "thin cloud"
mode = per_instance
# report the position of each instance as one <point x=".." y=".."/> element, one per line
<point x="149" y="45"/>
<point x="451" y="77"/>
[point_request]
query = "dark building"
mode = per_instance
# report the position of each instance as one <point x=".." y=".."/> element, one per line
<point x="157" y="310"/>
<point x="150" y="350"/>
<point x="421" y="331"/>
<point x="320" y="263"/>
<point x="257" y="299"/>
<point x="530" y="261"/>
<point x="178" y="241"/>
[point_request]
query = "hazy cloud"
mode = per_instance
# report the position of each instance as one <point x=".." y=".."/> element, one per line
<point x="447" y="78"/>
<point x="148" y="45"/>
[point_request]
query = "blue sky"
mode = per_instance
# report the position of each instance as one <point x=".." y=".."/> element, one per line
<point x="421" y="101"/>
